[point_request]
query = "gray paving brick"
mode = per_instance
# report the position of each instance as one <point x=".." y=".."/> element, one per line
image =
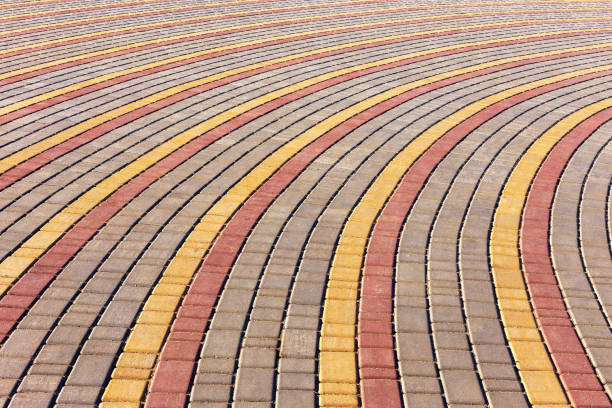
<point x="254" y="384"/>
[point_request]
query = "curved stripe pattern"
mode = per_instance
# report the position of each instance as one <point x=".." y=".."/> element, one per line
<point x="356" y="203"/>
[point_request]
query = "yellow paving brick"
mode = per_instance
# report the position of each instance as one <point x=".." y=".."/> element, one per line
<point x="14" y="265"/>
<point x="337" y="367"/>
<point x="344" y="274"/>
<point x="168" y="289"/>
<point x="349" y="249"/>
<point x="505" y="237"/>
<point x="154" y="317"/>
<point x="550" y="406"/>
<point x="187" y="257"/>
<point x="124" y="390"/>
<point x="343" y="284"/>
<point x="338" y="330"/>
<point x="357" y="229"/>
<point x="162" y="303"/>
<point x="136" y="360"/>
<point x="42" y="239"/>
<point x="339" y="311"/>
<point x="347" y="261"/>
<point x="146" y="338"/>
<point x="170" y="279"/>
<point x="200" y="239"/>
<point x="522" y="333"/>
<point x="513" y="293"/>
<point x="509" y="278"/>
<point x="515" y="318"/>
<point x="214" y="219"/>
<point x="543" y="387"/>
<point x="182" y="265"/>
<point x="531" y="355"/>
<point x="364" y="214"/>
<point x="508" y="222"/>
<point x="341" y="293"/>
<point x="505" y="262"/>
<point x="223" y="208"/>
<point x="83" y="204"/>
<point x="329" y="343"/>
<point x="333" y="400"/>
<point x="337" y="388"/>
<point x="514" y="304"/>
<point x="209" y="226"/>
<point x="346" y="240"/>
<point x="504" y="250"/>
<point x="119" y="405"/>
<point x="131" y="373"/>
<point x="4" y="280"/>
<point x="65" y="218"/>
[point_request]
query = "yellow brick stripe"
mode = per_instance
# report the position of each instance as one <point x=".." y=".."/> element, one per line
<point x="337" y="359"/>
<point x="135" y="364"/>
<point x="532" y="359"/>
<point x="16" y="158"/>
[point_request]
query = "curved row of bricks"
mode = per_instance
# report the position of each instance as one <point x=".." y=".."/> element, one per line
<point x="256" y="203"/>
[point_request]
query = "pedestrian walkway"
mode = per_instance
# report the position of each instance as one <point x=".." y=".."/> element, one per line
<point x="258" y="203"/>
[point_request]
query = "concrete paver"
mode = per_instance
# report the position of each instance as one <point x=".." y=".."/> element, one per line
<point x="255" y="203"/>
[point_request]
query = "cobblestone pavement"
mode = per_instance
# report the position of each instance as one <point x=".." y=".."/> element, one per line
<point x="257" y="203"/>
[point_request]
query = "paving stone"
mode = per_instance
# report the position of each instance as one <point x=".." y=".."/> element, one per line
<point x="87" y="364"/>
<point x="257" y="357"/>
<point x="78" y="394"/>
<point x="294" y="398"/>
<point x="454" y="359"/>
<point x="423" y="400"/>
<point x="298" y="343"/>
<point x="296" y="365"/>
<point x="12" y="367"/>
<point x="254" y="384"/>
<point x="39" y="383"/>
<point x="31" y="399"/>
<point x="221" y="343"/>
<point x="507" y="399"/>
<point x="211" y="393"/>
<point x="461" y="387"/>
<point x="421" y="385"/>
<point x="23" y="344"/>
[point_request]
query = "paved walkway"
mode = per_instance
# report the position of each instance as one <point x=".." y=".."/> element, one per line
<point x="256" y="203"/>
